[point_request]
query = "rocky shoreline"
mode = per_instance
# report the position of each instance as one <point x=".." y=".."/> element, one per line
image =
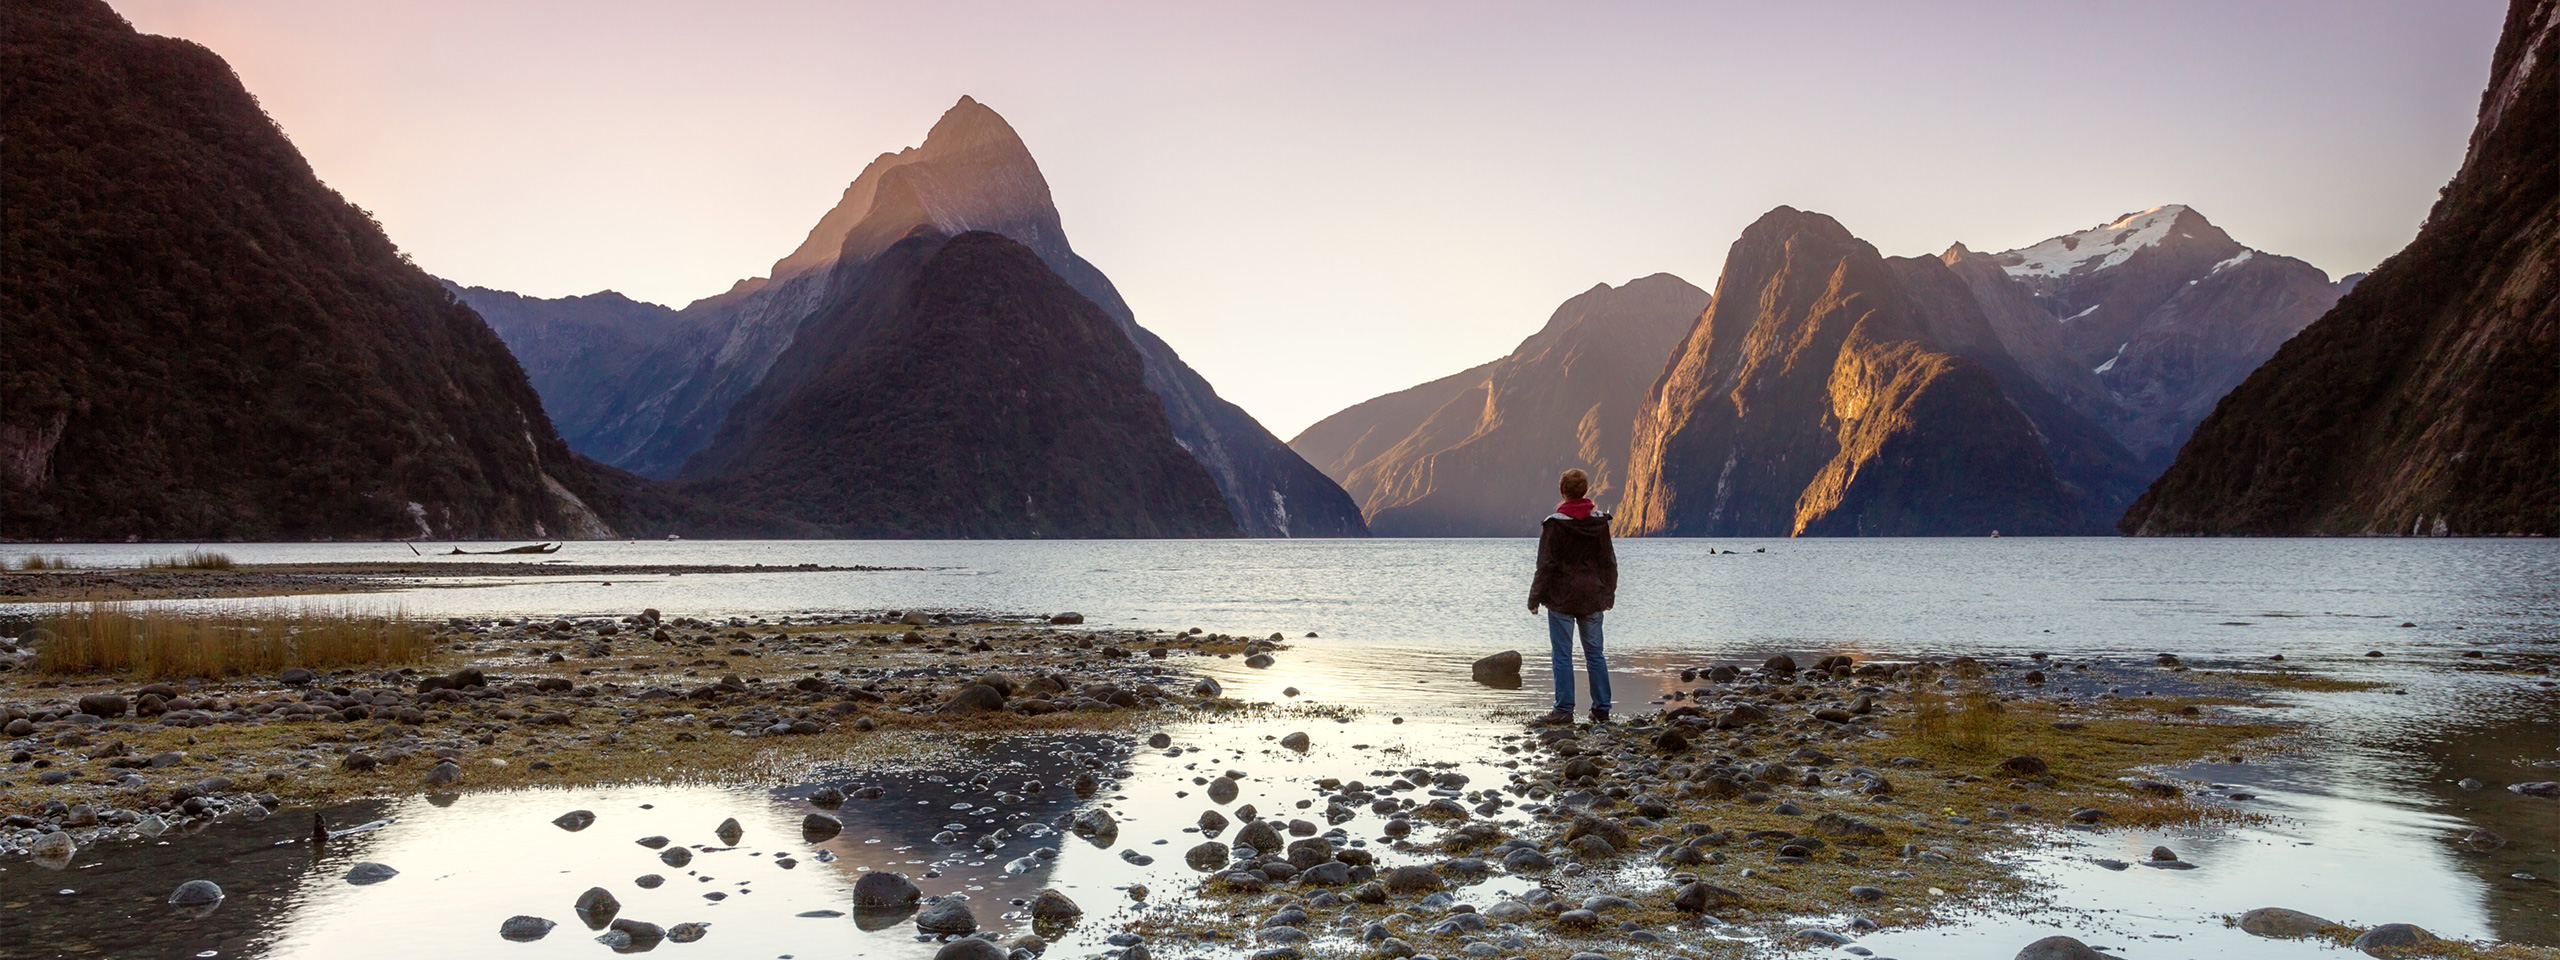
<point x="300" y="579"/>
<point x="1766" y="808"/>
<point x="522" y="703"/>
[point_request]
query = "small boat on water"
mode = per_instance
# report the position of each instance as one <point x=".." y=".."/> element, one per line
<point x="527" y="548"/>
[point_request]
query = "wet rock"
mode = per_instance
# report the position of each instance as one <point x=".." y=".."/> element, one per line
<point x="1260" y="661"/>
<point x="971" y="948"/>
<point x="1208" y="688"/>
<point x="2278" y="923"/>
<point x="1703" y="897"/>
<point x="1295" y="741"/>
<point x="881" y="888"/>
<point x="196" y="893"/>
<point x="1782" y="665"/>
<point x="2025" y="765"/>
<point x="825" y="797"/>
<point x="1212" y="823"/>
<point x="574" y="820"/>
<point x="1085" y="785"/>
<point x="368" y="872"/>
<point x="1052" y="906"/>
<point x="445" y="773"/>
<point x="2543" y="788"/>
<point x="675" y="856"/>
<point x="818" y="827"/>
<point x="1261" y="836"/>
<point x="1207" y="857"/>
<point x="2484" y="840"/>
<point x="1500" y="671"/>
<point x="1409" y="881"/>
<point x="1160" y="741"/>
<point x="2163" y="853"/>
<point x="729" y="832"/>
<point x="653" y="843"/>
<point x="975" y="698"/>
<point x="642" y="934"/>
<point x="948" y="916"/>
<point x="1068" y="618"/>
<point x="596" y="907"/>
<point x="54" y="850"/>
<point x="648" y="881"/>
<point x="525" y="929"/>
<point x="1097" y="826"/>
<point x="1527" y="860"/>
<point x="1222" y="790"/>
<point x="2393" y="939"/>
<point x="2059" y="948"/>
<point x="687" y="932"/>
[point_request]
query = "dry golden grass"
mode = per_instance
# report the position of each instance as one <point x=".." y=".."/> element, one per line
<point x="37" y="561"/>
<point x="113" y="638"/>
<point x="191" y="560"/>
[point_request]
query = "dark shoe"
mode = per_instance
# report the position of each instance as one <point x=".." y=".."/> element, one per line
<point x="1599" y="715"/>
<point x="1554" y="718"/>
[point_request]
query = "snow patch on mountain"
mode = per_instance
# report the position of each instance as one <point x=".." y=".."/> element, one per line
<point x="2093" y="249"/>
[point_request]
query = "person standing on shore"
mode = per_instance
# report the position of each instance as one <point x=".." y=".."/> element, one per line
<point x="1577" y="581"/>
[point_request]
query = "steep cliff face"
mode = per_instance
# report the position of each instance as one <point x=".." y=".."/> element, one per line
<point x="578" y="351"/>
<point x="2101" y="476"/>
<point x="1809" y="400"/>
<point x="1484" y="462"/>
<point x="961" y="390"/>
<point x="2143" y="322"/>
<point x="2428" y="400"/>
<point x="204" y="342"/>
<point x="971" y="173"/>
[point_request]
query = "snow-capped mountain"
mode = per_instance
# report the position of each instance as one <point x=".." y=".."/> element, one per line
<point x="2164" y="310"/>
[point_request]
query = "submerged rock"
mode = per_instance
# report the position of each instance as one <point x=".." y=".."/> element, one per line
<point x="817" y="827"/>
<point x="949" y="916"/>
<point x="525" y="929"/>
<point x="369" y="872"/>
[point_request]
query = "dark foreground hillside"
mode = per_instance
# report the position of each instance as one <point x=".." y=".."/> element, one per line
<point x="203" y="341"/>
<point x="2428" y="400"/>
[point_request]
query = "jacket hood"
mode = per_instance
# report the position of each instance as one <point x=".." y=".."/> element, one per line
<point x="1596" y="525"/>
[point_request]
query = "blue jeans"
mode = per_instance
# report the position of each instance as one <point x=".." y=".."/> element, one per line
<point x="1560" y="641"/>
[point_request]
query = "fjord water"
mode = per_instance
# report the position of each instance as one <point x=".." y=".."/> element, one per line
<point x="2360" y="818"/>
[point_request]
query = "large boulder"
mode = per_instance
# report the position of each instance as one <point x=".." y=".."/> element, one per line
<point x="975" y="698"/>
<point x="948" y="916"/>
<point x="1054" y="907"/>
<point x="881" y="888"/>
<point x="1500" y="671"/>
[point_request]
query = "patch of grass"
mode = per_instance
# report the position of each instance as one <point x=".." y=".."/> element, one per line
<point x="191" y="560"/>
<point x="38" y="561"/>
<point x="2312" y="682"/>
<point x="113" y="638"/>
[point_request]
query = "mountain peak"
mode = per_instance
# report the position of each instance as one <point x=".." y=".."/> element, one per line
<point x="984" y="178"/>
<point x="2110" y="243"/>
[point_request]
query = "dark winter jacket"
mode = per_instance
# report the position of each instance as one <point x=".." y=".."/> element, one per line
<point x="1577" y="568"/>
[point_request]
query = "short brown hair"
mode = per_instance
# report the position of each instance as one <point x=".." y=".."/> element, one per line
<point x="1574" y="484"/>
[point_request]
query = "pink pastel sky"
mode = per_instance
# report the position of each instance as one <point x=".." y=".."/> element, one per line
<point x="1317" y="203"/>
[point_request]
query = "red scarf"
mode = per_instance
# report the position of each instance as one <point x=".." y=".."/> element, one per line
<point x="1578" y="508"/>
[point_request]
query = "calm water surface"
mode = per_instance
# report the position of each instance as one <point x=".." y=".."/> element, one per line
<point x="2361" y="825"/>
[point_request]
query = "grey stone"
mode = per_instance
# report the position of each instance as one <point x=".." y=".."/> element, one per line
<point x="572" y="821"/>
<point x="881" y="888"/>
<point x="368" y="872"/>
<point x="948" y="916"/>
<point x="525" y="929"/>
<point x="196" y="893"/>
